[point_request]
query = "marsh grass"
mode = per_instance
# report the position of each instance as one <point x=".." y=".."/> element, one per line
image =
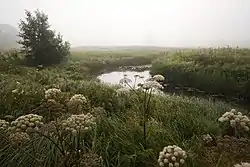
<point x="118" y="136"/>
<point x="223" y="71"/>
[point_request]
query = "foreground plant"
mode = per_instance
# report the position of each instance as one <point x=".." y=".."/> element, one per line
<point x="147" y="87"/>
<point x="78" y="123"/>
<point x="52" y="93"/>
<point x="76" y="102"/>
<point x="236" y="120"/>
<point x="3" y="125"/>
<point x="172" y="156"/>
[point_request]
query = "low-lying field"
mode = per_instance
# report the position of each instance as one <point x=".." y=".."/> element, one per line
<point x="115" y="138"/>
<point x="96" y="62"/>
<point x="216" y="71"/>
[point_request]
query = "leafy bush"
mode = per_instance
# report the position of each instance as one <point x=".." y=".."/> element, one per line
<point x="41" y="45"/>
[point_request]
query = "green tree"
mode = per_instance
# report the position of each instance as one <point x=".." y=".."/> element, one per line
<point x="41" y="45"/>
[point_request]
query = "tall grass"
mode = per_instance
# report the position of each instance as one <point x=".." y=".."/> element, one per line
<point x="217" y="71"/>
<point x="118" y="136"/>
<point x="96" y="62"/>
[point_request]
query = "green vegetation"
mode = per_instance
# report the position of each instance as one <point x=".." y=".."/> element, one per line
<point x="40" y="45"/>
<point x="97" y="62"/>
<point x="216" y="71"/>
<point x="118" y="133"/>
<point x="60" y="115"/>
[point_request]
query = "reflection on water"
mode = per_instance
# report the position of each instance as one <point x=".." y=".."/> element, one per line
<point x="116" y="76"/>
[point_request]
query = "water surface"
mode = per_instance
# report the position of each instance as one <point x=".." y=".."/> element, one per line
<point x="115" y="76"/>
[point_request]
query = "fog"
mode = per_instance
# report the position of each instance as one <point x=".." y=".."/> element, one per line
<point x="188" y="23"/>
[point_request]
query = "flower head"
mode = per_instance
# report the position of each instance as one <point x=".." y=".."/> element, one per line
<point x="78" y="123"/>
<point x="152" y="84"/>
<point x="3" y="125"/>
<point x="159" y="78"/>
<point x="207" y="138"/>
<point x="78" y="98"/>
<point x="52" y="93"/>
<point x="242" y="164"/>
<point x="27" y="123"/>
<point x="172" y="156"/>
<point x="236" y="119"/>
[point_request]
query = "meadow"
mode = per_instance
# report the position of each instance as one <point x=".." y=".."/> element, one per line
<point x="114" y="133"/>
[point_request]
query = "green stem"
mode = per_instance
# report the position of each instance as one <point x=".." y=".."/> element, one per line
<point x="57" y="146"/>
<point x="37" y="160"/>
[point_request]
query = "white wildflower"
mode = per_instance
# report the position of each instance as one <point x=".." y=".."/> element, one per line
<point x="172" y="156"/>
<point x="158" y="78"/>
<point x="242" y="164"/>
<point x="236" y="119"/>
<point x="152" y="84"/>
<point x="78" y="98"/>
<point x="27" y="123"/>
<point x="207" y="138"/>
<point x="3" y="125"/>
<point x="15" y="91"/>
<point x="52" y="93"/>
<point x="78" y="123"/>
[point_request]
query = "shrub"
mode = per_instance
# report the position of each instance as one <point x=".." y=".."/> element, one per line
<point x="41" y="45"/>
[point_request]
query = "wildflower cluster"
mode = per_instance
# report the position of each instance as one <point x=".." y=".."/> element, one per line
<point x="158" y="78"/>
<point x="236" y="119"/>
<point x="3" y="125"/>
<point x="207" y="138"/>
<point x="123" y="91"/>
<point x="242" y="164"/>
<point x="78" y="99"/>
<point x="27" y="123"/>
<point x="52" y="93"/>
<point x="78" y="123"/>
<point x="152" y="84"/>
<point x="19" y="138"/>
<point x="172" y="156"/>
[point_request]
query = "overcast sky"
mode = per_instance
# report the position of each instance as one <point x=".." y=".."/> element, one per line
<point x="141" y="22"/>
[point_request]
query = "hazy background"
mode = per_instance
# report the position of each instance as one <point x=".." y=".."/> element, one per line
<point x="186" y="23"/>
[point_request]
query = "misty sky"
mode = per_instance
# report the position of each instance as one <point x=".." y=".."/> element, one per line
<point x="141" y="22"/>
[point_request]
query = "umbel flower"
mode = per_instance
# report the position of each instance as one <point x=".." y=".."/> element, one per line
<point x="19" y="138"/>
<point x="172" y="156"/>
<point x="27" y="123"/>
<point x="76" y="102"/>
<point x="207" y="138"/>
<point x="236" y="119"/>
<point x="52" y="93"/>
<point x="152" y="84"/>
<point x="78" y="123"/>
<point x="3" y="125"/>
<point x="159" y="78"/>
<point x="77" y="99"/>
<point x="242" y="164"/>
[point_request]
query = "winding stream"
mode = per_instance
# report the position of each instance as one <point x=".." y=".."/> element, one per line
<point x="115" y="76"/>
